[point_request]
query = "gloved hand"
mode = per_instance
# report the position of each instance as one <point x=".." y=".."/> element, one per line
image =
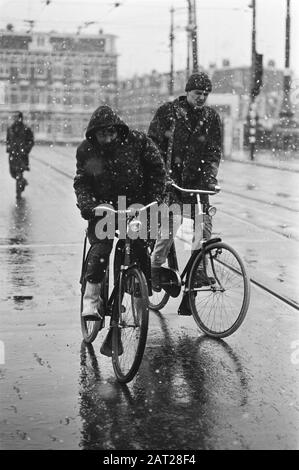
<point x="88" y="214"/>
<point x="212" y="187"/>
<point x="168" y="183"/>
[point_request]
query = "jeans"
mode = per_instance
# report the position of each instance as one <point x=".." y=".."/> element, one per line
<point x="162" y="245"/>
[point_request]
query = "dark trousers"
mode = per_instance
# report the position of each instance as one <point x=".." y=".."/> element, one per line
<point x="98" y="256"/>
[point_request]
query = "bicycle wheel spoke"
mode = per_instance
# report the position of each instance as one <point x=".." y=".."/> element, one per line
<point x="130" y="334"/>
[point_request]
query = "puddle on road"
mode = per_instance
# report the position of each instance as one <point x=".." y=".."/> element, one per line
<point x="251" y="186"/>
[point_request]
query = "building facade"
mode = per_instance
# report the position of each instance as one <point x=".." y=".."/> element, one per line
<point x="56" y="80"/>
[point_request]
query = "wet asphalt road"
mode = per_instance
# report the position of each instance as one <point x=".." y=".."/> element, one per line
<point x="191" y="392"/>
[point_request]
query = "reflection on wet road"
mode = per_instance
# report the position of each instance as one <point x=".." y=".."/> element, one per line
<point x="173" y="401"/>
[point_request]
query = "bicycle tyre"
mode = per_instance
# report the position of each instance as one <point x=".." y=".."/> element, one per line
<point x="18" y="188"/>
<point x="130" y="332"/>
<point x="220" y="309"/>
<point x="90" y="328"/>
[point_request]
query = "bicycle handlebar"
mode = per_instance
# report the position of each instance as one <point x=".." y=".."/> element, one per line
<point x="195" y="191"/>
<point x="132" y="211"/>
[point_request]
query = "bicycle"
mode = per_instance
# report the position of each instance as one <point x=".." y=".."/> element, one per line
<point x="220" y="307"/>
<point x="127" y="305"/>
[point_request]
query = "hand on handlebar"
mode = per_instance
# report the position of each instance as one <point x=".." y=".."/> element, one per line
<point x="169" y="183"/>
<point x="212" y="187"/>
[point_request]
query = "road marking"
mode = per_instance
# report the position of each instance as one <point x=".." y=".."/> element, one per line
<point x="2" y="353"/>
<point x="39" y="245"/>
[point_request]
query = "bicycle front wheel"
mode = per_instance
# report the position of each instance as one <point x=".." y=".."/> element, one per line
<point x="130" y="334"/>
<point x="220" y="307"/>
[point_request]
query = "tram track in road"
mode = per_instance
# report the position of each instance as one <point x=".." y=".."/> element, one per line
<point x="255" y="199"/>
<point x="292" y="303"/>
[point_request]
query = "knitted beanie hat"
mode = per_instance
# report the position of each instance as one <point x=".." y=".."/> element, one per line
<point x="199" y="81"/>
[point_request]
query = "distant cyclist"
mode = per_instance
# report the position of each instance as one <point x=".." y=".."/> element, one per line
<point x="188" y="134"/>
<point x="112" y="161"/>
<point x="19" y="142"/>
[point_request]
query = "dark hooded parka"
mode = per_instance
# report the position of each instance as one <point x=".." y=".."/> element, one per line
<point x="19" y="142"/>
<point x="131" y="166"/>
<point x="196" y="144"/>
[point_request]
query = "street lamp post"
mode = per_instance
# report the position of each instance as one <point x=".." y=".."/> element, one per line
<point x="286" y="132"/>
<point x="252" y="108"/>
<point x="286" y="112"/>
<point x="188" y="28"/>
<point x="194" y="38"/>
<point x="171" y="37"/>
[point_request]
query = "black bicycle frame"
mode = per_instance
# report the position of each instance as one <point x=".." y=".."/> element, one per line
<point x="174" y="260"/>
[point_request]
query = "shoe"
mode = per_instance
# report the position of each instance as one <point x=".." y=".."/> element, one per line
<point x="201" y="279"/>
<point x="155" y="275"/>
<point x="92" y="302"/>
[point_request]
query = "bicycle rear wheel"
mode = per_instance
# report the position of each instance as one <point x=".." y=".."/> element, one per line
<point x="219" y="309"/>
<point x="130" y="334"/>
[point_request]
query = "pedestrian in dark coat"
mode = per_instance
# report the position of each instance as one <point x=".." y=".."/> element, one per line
<point x="112" y="161"/>
<point x="19" y="142"/>
<point x="188" y="134"/>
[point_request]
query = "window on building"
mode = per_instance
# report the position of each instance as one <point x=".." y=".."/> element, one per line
<point x="67" y="100"/>
<point x="86" y="73"/>
<point x="14" y="98"/>
<point x="34" y="98"/>
<point x="67" y="127"/>
<point x="24" y="70"/>
<point x="24" y="98"/>
<point x="88" y="100"/>
<point x="40" y="41"/>
<point x="67" y="73"/>
<point x="77" y="96"/>
<point x="40" y="69"/>
<point x="57" y="71"/>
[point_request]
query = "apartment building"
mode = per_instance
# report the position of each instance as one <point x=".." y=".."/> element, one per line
<point x="57" y="80"/>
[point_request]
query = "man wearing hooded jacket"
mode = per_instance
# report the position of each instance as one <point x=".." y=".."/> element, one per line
<point x="188" y="134"/>
<point x="112" y="161"/>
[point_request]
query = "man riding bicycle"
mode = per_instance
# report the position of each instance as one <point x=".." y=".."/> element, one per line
<point x="112" y="161"/>
<point x="188" y="134"/>
<point x="19" y="142"/>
